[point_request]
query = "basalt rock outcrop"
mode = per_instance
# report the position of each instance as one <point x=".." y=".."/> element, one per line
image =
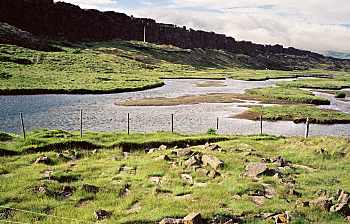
<point x="64" y="21"/>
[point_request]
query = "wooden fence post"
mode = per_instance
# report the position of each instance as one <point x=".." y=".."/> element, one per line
<point x="217" y="123"/>
<point x="261" y="124"/>
<point x="307" y="127"/>
<point x="81" y="123"/>
<point x="128" y="124"/>
<point x="172" y="123"/>
<point x="22" y="123"/>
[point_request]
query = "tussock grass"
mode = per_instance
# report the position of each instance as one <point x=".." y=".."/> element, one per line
<point x="172" y="198"/>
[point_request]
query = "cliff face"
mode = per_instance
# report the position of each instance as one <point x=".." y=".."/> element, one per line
<point x="69" y="22"/>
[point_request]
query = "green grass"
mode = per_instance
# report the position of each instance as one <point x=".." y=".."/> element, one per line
<point x="289" y="95"/>
<point x="297" y="113"/>
<point x="56" y="140"/>
<point x="119" y="66"/>
<point x="20" y="178"/>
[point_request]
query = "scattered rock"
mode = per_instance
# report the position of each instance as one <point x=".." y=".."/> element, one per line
<point x="322" y="202"/>
<point x="202" y="171"/>
<point x="269" y="191"/>
<point x="213" y="174"/>
<point x="258" y="200"/>
<point x="151" y="150"/>
<point x="155" y="179"/>
<point x="162" y="147"/>
<point x="187" y="178"/>
<point x="183" y="152"/>
<point x="90" y="188"/>
<point x="256" y="169"/>
<point x="67" y="191"/>
<point x="224" y="219"/>
<point x="282" y="218"/>
<point x="192" y="161"/>
<point x="237" y="197"/>
<point x="294" y="193"/>
<point x="102" y="214"/>
<point x="212" y="147"/>
<point x="214" y="162"/>
<point x="47" y="174"/>
<point x="124" y="191"/>
<point x="184" y="197"/>
<point x="126" y="155"/>
<point x="42" y="190"/>
<point x="43" y="160"/>
<point x="130" y="170"/>
<point x="343" y="204"/>
<point x="193" y="218"/>
<point x="171" y="221"/>
<point x="280" y="161"/>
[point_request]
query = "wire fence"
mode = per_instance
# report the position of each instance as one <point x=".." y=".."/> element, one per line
<point x="144" y="122"/>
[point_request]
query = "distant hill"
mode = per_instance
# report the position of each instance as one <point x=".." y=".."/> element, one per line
<point x="340" y="55"/>
<point x="66" y="22"/>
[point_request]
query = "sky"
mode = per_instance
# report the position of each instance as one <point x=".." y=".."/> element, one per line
<point x="317" y="25"/>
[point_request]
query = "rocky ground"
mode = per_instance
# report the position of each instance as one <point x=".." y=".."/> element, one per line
<point x="255" y="179"/>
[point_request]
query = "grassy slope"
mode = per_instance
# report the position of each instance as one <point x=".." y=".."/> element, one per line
<point x="20" y="177"/>
<point x="105" y="67"/>
<point x="117" y="66"/>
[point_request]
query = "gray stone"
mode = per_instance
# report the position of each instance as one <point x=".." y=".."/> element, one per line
<point x="212" y="161"/>
<point x="193" y="218"/>
<point x="102" y="214"/>
<point x="43" y="160"/>
<point x="187" y="178"/>
<point x="183" y="152"/>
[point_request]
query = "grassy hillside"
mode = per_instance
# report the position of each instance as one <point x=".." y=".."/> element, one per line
<point x="140" y="187"/>
<point x="116" y="67"/>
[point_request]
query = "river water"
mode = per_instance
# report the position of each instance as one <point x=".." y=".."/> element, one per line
<point x="100" y="112"/>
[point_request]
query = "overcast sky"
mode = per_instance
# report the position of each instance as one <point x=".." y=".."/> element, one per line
<point x="317" y="25"/>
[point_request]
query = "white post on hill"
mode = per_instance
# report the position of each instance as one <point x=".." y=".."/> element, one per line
<point x="144" y="34"/>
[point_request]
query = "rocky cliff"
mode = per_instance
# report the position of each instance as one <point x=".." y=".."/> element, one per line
<point x="64" y="21"/>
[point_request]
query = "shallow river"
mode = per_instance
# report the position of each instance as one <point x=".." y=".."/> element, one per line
<point x="100" y="112"/>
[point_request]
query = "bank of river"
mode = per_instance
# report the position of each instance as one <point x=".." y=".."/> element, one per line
<point x="102" y="114"/>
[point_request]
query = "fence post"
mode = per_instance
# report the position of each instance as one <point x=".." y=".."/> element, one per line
<point x="128" y="124"/>
<point x="217" y="123"/>
<point x="81" y="123"/>
<point x="307" y="127"/>
<point x="22" y="123"/>
<point x="172" y="123"/>
<point x="261" y="124"/>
